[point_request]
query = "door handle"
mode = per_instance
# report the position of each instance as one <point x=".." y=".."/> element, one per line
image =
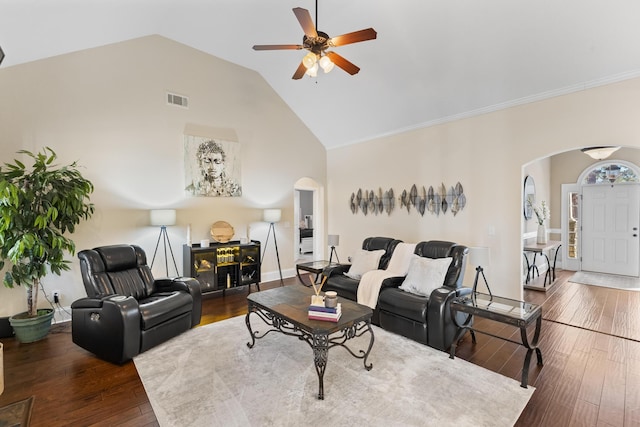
<point x="635" y="235"/>
<point x="635" y="228"/>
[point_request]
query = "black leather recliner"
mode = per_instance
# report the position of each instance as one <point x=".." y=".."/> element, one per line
<point x="127" y="311"/>
<point x="427" y="319"/>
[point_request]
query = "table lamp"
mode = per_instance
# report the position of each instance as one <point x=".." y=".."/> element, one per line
<point x="480" y="256"/>
<point x="334" y="240"/>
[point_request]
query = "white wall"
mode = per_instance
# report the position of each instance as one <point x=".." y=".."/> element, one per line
<point x="486" y="154"/>
<point x="106" y="108"/>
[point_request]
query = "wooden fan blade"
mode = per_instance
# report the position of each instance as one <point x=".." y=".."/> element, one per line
<point x="278" y="47"/>
<point x="299" y="72"/>
<point x="355" y="37"/>
<point x="343" y="63"/>
<point x="304" y="17"/>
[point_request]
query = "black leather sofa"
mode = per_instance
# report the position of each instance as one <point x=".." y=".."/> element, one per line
<point x="424" y="319"/>
<point x="127" y="311"/>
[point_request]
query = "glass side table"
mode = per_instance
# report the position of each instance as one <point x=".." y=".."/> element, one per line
<point x="313" y="267"/>
<point x="504" y="310"/>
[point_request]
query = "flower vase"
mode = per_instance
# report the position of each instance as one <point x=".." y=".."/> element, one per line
<point x="542" y="235"/>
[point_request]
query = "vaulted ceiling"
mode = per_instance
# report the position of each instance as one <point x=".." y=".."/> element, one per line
<point x="433" y="60"/>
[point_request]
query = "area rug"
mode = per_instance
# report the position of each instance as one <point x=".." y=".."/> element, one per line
<point x="209" y="377"/>
<point x="606" y="280"/>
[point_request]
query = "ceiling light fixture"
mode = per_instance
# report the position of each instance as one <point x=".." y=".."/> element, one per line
<point x="309" y="60"/>
<point x="313" y="70"/>
<point x="326" y="63"/>
<point x="599" y="153"/>
<point x="318" y="44"/>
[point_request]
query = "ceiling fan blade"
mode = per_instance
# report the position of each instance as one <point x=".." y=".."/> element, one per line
<point x="349" y="67"/>
<point x="304" y="17"/>
<point x="354" y="37"/>
<point x="299" y="72"/>
<point x="277" y="47"/>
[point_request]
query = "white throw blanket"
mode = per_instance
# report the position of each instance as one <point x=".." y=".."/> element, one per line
<point x="371" y="281"/>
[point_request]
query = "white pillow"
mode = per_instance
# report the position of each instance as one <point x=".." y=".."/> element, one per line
<point x="364" y="261"/>
<point x="425" y="275"/>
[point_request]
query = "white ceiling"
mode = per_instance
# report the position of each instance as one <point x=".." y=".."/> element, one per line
<point x="433" y="60"/>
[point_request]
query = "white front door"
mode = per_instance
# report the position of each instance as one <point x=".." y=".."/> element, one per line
<point x="611" y="217"/>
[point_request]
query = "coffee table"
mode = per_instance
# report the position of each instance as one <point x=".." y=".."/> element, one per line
<point x="285" y="309"/>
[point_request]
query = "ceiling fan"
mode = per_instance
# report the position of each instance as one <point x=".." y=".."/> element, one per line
<point x="318" y="43"/>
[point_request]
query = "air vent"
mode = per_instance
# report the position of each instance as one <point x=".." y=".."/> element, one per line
<point x="179" y="100"/>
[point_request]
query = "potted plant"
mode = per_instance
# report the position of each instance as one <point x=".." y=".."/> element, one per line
<point x="39" y="208"/>
<point x="542" y="214"/>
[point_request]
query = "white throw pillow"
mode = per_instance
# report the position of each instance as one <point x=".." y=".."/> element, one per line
<point x="364" y="261"/>
<point x="425" y="275"/>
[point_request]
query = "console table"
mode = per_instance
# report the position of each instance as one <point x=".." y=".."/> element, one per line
<point x="504" y="310"/>
<point x="543" y="249"/>
<point x="223" y="266"/>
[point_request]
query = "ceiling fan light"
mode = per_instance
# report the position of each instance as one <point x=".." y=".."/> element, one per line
<point x="313" y="71"/>
<point x="309" y="60"/>
<point x="599" y="153"/>
<point x="327" y="64"/>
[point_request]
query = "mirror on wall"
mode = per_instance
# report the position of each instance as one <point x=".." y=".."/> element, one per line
<point x="528" y="195"/>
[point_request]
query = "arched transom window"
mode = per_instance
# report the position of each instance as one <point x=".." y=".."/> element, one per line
<point x="610" y="173"/>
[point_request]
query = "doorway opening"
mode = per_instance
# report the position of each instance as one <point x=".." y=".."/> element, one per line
<point x="309" y="231"/>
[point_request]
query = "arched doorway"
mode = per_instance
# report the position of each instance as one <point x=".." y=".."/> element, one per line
<point x="601" y="217"/>
<point x="314" y="223"/>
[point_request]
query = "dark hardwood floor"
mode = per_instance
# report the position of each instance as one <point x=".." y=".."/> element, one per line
<point x="590" y="377"/>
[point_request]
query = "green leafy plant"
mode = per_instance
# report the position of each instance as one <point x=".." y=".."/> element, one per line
<point x="39" y="208"/>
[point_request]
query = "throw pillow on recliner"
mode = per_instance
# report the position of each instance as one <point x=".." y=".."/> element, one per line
<point x="364" y="261"/>
<point x="425" y="275"/>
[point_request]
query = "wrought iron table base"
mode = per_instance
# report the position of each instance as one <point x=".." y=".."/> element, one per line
<point x="320" y="343"/>
<point x="523" y="335"/>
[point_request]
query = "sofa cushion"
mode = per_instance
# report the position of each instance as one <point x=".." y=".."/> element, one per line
<point x="404" y="304"/>
<point x="162" y="306"/>
<point x="364" y="261"/>
<point x="425" y="275"/>
<point x="346" y="287"/>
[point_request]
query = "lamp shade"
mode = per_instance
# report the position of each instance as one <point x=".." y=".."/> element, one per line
<point x="162" y="217"/>
<point x="334" y="239"/>
<point x="599" y="153"/>
<point x="479" y="256"/>
<point x="272" y="215"/>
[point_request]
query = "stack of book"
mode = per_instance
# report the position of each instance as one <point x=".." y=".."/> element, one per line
<point x="327" y="314"/>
